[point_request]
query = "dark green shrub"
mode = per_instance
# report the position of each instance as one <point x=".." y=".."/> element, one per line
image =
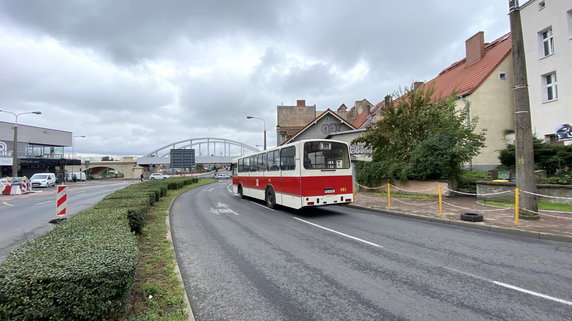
<point x="82" y="270"/>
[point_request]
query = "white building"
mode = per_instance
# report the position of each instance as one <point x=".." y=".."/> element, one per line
<point x="547" y="33"/>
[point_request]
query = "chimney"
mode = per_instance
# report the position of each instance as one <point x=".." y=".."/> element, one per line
<point x="417" y="84"/>
<point x="300" y="103"/>
<point x="475" y="48"/>
<point x="342" y="111"/>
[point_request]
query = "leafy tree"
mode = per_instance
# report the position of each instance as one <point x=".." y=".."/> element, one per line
<point x="424" y="135"/>
<point x="106" y="158"/>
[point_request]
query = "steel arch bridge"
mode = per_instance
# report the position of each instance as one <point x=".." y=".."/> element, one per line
<point x="208" y="150"/>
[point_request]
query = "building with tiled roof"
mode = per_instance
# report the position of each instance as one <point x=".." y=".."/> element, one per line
<point x="326" y="123"/>
<point x="484" y="82"/>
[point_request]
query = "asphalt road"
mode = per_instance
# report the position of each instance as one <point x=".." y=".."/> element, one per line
<point x="25" y="217"/>
<point x="243" y="261"/>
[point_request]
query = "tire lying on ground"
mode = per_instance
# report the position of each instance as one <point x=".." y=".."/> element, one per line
<point x="472" y="217"/>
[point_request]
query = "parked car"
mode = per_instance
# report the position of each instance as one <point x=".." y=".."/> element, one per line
<point x="43" y="180"/>
<point x="221" y="176"/>
<point x="158" y="176"/>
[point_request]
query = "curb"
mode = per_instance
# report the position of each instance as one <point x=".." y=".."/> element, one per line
<point x="188" y="309"/>
<point x="482" y="227"/>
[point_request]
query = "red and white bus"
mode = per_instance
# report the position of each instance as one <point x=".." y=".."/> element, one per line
<point x="301" y="174"/>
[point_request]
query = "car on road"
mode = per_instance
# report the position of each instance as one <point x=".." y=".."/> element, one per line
<point x="158" y="176"/>
<point x="221" y="176"/>
<point x="43" y="180"/>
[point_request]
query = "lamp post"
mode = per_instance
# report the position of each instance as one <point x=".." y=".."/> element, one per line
<point x="73" y="153"/>
<point x="15" y="148"/>
<point x="252" y="117"/>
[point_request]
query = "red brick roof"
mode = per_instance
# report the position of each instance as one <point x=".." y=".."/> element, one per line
<point x="466" y="79"/>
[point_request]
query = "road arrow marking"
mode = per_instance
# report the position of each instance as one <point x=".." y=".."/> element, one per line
<point x="6" y="203"/>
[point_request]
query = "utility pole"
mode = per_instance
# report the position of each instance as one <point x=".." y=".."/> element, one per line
<point x="525" y="178"/>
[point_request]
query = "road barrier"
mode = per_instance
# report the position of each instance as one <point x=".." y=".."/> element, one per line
<point x="62" y="200"/>
<point x="388" y="190"/>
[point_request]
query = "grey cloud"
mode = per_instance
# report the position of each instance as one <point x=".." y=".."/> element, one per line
<point x="133" y="30"/>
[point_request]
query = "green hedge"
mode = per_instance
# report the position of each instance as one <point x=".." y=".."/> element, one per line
<point x="84" y="268"/>
<point x="81" y="270"/>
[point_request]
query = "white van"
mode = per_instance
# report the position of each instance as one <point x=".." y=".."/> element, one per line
<point x="79" y="176"/>
<point x="43" y="180"/>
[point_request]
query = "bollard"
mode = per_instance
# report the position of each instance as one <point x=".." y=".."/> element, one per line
<point x="516" y="205"/>
<point x="388" y="195"/>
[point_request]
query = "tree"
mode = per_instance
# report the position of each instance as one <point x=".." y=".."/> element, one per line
<point x="552" y="158"/>
<point x="106" y="158"/>
<point x="425" y="135"/>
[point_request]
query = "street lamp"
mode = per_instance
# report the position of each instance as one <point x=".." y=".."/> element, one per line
<point x="15" y="148"/>
<point x="73" y="153"/>
<point x="252" y="117"/>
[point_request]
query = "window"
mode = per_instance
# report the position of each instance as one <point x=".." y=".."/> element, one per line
<point x="261" y="162"/>
<point x="549" y="87"/>
<point x="502" y="75"/>
<point x="541" y="5"/>
<point x="273" y="161"/>
<point x="253" y="165"/>
<point x="547" y="42"/>
<point x="287" y="158"/>
<point x="326" y="155"/>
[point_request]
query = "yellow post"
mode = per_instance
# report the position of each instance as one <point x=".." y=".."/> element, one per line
<point x="516" y="205"/>
<point x="388" y="195"/>
<point x="440" y="200"/>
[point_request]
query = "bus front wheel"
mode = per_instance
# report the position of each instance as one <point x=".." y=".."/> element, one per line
<point x="270" y="198"/>
<point x="240" y="193"/>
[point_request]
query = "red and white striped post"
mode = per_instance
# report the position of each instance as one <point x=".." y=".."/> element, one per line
<point x="62" y="201"/>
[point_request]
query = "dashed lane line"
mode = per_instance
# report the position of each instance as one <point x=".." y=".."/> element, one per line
<point x="339" y="233"/>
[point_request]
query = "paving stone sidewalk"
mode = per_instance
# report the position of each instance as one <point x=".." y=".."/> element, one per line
<point x="501" y="219"/>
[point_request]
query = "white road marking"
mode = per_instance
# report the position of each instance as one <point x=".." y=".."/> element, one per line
<point x="222" y="208"/>
<point x="7" y="204"/>
<point x="266" y="207"/>
<point x="512" y="287"/>
<point x="46" y="202"/>
<point x="340" y="233"/>
<point x="208" y="190"/>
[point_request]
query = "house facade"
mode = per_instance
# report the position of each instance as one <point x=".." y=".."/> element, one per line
<point x="547" y="34"/>
<point x="484" y="83"/>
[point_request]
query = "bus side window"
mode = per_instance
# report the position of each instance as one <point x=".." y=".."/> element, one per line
<point x="260" y="161"/>
<point x="264" y="165"/>
<point x="287" y="158"/>
<point x="273" y="161"/>
<point x="253" y="165"/>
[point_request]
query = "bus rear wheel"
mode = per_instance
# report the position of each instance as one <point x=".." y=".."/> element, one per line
<point x="270" y="198"/>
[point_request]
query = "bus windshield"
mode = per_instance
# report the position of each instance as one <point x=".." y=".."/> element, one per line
<point x="326" y="155"/>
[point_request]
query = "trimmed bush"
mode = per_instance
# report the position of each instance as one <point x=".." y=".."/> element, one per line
<point x="82" y="270"/>
<point x="85" y="267"/>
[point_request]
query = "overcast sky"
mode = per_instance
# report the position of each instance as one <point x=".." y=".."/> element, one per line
<point x="134" y="75"/>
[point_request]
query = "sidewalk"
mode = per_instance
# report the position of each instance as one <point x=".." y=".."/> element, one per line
<point x="551" y="225"/>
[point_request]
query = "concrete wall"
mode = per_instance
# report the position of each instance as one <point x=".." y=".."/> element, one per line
<point x="555" y="14"/>
<point x="493" y="104"/>
<point x="564" y="191"/>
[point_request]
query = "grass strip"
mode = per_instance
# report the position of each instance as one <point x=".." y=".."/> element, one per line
<point x="541" y="205"/>
<point x="157" y="293"/>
